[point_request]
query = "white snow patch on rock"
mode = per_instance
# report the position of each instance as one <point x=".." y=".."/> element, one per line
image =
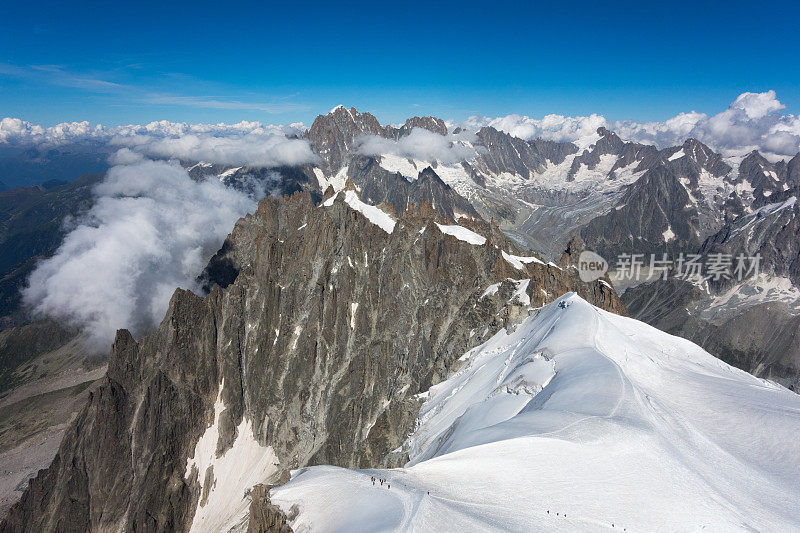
<point x="463" y="234"/>
<point x="229" y="172"/>
<point x="244" y="464"/>
<point x="491" y="290"/>
<point x="374" y="214"/>
<point x="676" y="155"/>
<point x="519" y="262"/>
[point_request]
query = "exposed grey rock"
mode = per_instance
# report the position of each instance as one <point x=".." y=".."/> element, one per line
<point x="771" y="231"/>
<point x="436" y="125"/>
<point x="332" y="136"/>
<point x="765" y="178"/>
<point x="264" y="516"/>
<point x="610" y="144"/>
<point x="378" y="185"/>
<point x="505" y="153"/>
<point x="657" y="203"/>
<point x="760" y="339"/>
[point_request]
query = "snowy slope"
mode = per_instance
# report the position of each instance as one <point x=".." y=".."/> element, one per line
<point x="584" y="413"/>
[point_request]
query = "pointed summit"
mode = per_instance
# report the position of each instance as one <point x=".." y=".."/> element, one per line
<point x="332" y="136"/>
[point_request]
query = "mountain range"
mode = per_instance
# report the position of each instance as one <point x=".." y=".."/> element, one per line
<point x="409" y="307"/>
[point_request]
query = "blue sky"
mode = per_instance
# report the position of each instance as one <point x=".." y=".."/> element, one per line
<point x="119" y="62"/>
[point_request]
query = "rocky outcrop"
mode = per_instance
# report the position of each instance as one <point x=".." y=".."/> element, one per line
<point x="771" y="232"/>
<point x="654" y="215"/>
<point x="764" y="177"/>
<point x="609" y="143"/>
<point x="327" y="329"/>
<point x="434" y="124"/>
<point x="264" y="516"/>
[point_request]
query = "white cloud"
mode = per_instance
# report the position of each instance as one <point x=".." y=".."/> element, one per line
<point x="14" y="130"/>
<point x="420" y="144"/>
<point x="151" y="229"/>
<point x="579" y="130"/>
<point x="752" y="122"/>
<point x="257" y="149"/>
<point x="244" y="143"/>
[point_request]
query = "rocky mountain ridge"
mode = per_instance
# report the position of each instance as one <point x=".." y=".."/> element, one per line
<point x="329" y="324"/>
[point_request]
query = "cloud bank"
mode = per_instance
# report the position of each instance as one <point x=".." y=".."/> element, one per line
<point x="151" y="229"/>
<point x="17" y="131"/>
<point x="420" y="144"/>
<point x="579" y="130"/>
<point x="267" y="150"/>
<point x="752" y="122"/>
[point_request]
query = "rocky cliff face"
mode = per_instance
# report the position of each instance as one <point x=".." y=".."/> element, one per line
<point x="310" y="349"/>
<point x="609" y="144"/>
<point x="684" y="194"/>
<point x="381" y="186"/>
<point x="758" y="337"/>
<point x="332" y="136"/>
<point x="505" y="153"/>
<point x="770" y="231"/>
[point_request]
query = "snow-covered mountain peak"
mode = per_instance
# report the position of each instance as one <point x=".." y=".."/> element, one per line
<point x="599" y="418"/>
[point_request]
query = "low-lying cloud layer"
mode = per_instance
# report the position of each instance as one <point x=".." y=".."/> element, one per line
<point x="420" y="144"/>
<point x="150" y="230"/>
<point x="752" y="122"/>
<point x="254" y="149"/>
<point x="579" y="130"/>
<point x="14" y="130"/>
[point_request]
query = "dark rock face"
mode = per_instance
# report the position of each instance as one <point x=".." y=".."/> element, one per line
<point x="332" y="136"/>
<point x="265" y="517"/>
<point x="766" y="178"/>
<point x="771" y="231"/>
<point x="610" y="144"/>
<point x="381" y="186"/>
<point x="436" y="125"/>
<point x="672" y="207"/>
<point x="793" y="171"/>
<point x="655" y="205"/>
<point x="505" y="153"/>
<point x="277" y="181"/>
<point x="761" y="339"/>
<point x="324" y="337"/>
